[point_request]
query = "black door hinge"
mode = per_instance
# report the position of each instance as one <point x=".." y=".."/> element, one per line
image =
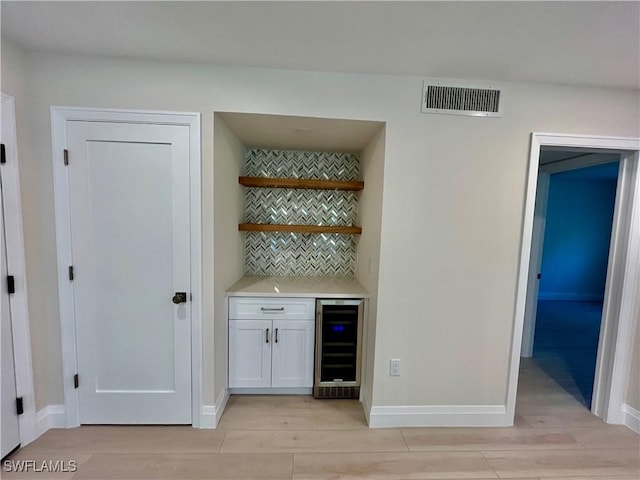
<point x="65" y="155"/>
<point x="3" y="154"/>
<point x="11" y="284"/>
<point x="539" y="276"/>
<point x="71" y="273"/>
<point x="76" y="381"/>
<point x="19" y="406"/>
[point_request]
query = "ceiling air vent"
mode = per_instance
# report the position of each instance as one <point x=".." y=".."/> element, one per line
<point x="460" y="100"/>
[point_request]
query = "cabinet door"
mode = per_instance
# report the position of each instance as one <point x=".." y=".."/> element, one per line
<point x="292" y="353"/>
<point x="250" y="353"/>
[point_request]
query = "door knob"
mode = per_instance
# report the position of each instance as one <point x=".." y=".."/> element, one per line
<point x="179" y="297"/>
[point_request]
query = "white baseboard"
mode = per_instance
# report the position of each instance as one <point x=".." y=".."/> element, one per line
<point x="272" y="391"/>
<point x="51" y="416"/>
<point x="366" y="404"/>
<point x="211" y="413"/>
<point x="631" y="418"/>
<point x="571" y="296"/>
<point x="208" y="417"/>
<point x="28" y="427"/>
<point x="438" y="416"/>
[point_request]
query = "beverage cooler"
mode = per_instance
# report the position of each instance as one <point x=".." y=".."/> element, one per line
<point x="338" y="348"/>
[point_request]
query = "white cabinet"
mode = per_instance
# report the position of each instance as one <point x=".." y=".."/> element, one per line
<point x="272" y="352"/>
<point x="292" y="353"/>
<point x="249" y="353"/>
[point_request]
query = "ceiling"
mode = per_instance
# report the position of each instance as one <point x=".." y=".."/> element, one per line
<point x="301" y="133"/>
<point x="580" y="163"/>
<point x="604" y="172"/>
<point x="573" y="43"/>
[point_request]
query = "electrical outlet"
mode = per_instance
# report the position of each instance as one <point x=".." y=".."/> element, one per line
<point x="394" y="367"/>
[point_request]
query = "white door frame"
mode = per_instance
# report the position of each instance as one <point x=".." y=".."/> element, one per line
<point x="621" y="296"/>
<point x="59" y="118"/>
<point x="17" y="267"/>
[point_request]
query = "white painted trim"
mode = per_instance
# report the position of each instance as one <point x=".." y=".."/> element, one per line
<point x="438" y="416"/>
<point x="625" y="322"/>
<point x="613" y="295"/>
<point x="523" y="275"/>
<point x="59" y="118"/>
<point x="221" y="404"/>
<point x="211" y="414"/>
<point x="631" y="418"/>
<point x="208" y="417"/>
<point x="51" y="416"/>
<point x="628" y="266"/>
<point x="16" y="265"/>
<point x="272" y="391"/>
<point x="195" y="185"/>
<point x="366" y="404"/>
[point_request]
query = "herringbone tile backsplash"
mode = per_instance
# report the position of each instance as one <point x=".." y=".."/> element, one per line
<point x="301" y="207"/>
<point x="280" y="253"/>
<point x="299" y="164"/>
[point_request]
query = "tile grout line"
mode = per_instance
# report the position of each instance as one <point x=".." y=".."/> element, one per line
<point x="404" y="439"/>
<point x="224" y="437"/>
<point x="77" y="472"/>
<point x="293" y="465"/>
<point x="488" y="463"/>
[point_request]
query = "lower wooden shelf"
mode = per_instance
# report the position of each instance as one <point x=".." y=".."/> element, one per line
<point x="268" y="227"/>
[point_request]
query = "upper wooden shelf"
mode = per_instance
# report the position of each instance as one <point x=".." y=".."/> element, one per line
<point x="301" y="183"/>
<point x="264" y="227"/>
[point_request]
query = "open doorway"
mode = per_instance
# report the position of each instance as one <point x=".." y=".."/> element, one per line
<point x="620" y="305"/>
<point x="572" y="267"/>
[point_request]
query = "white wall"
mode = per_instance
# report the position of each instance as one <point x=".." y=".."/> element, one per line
<point x="40" y="264"/>
<point x="368" y="244"/>
<point x="228" y="242"/>
<point x="452" y="210"/>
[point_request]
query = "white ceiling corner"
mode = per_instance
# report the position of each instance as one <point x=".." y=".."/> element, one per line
<point x="592" y="43"/>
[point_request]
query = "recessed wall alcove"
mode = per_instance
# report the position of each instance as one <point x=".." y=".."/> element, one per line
<point x="237" y="136"/>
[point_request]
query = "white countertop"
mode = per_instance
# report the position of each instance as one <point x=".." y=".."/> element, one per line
<point x="318" y="287"/>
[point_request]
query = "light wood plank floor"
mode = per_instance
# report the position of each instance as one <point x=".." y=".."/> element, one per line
<point x="277" y="438"/>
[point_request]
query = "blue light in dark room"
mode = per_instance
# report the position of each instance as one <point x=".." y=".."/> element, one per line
<point x="578" y="230"/>
<point x="338" y="328"/>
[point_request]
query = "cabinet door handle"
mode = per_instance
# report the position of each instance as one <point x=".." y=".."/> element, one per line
<point x="272" y="309"/>
<point x="267" y="337"/>
<point x="276" y="335"/>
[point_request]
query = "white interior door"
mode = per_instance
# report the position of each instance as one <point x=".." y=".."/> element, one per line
<point x="129" y="207"/>
<point x="10" y="437"/>
<point x="535" y="264"/>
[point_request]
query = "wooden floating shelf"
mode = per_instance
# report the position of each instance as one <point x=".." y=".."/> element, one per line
<point x="301" y="183"/>
<point x="268" y="227"/>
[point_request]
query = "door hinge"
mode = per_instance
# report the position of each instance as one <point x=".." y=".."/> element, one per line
<point x="66" y="156"/>
<point x="3" y="154"/>
<point x="71" y="273"/>
<point x="19" y="406"/>
<point x="539" y="276"/>
<point x="11" y="284"/>
<point x="76" y="381"/>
